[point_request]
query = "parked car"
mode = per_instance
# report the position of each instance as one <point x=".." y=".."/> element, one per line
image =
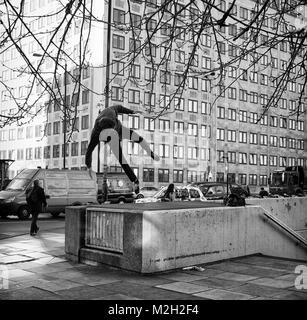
<point x="218" y="190"/>
<point x="62" y="188"/>
<point x="146" y="192"/>
<point x="186" y="193"/>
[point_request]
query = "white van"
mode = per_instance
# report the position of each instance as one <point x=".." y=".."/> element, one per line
<point x="62" y="188"/>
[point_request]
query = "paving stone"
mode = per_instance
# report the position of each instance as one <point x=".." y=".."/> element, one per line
<point x="14" y="259"/>
<point x="258" y="290"/>
<point x="117" y="296"/>
<point x="183" y="287"/>
<point x="66" y="274"/>
<point x="282" y="284"/>
<point x="218" y="283"/>
<point x="229" y="266"/>
<point x="182" y="276"/>
<point x="291" y="296"/>
<point x="49" y="260"/>
<point x="16" y="273"/>
<point x="57" y="285"/>
<point x="287" y="277"/>
<point x="83" y="292"/>
<point x="235" y="276"/>
<point x="145" y="280"/>
<point x="219" y="294"/>
<point x="28" y="294"/>
<point x="94" y="280"/>
<point x="264" y="272"/>
<point x="36" y="255"/>
<point x="207" y="272"/>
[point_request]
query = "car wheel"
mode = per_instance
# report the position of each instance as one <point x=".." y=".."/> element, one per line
<point x="121" y="200"/>
<point x="23" y="213"/>
<point x="139" y="196"/>
<point x="55" y="214"/>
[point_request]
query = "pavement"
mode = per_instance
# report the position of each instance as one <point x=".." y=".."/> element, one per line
<point x="35" y="268"/>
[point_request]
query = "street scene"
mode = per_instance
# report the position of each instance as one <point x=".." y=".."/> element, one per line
<point x="153" y="150"/>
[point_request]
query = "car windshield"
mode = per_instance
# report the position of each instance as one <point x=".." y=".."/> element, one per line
<point x="278" y="179"/>
<point x="18" y="184"/>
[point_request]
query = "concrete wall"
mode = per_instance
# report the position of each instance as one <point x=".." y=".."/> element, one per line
<point x="178" y="239"/>
<point x="175" y="238"/>
<point x="292" y="211"/>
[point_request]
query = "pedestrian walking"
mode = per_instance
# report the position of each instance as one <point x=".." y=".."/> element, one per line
<point x="170" y="193"/>
<point x="108" y="119"/>
<point x="36" y="199"/>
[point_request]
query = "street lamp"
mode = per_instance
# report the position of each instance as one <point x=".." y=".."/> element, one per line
<point x="64" y="105"/>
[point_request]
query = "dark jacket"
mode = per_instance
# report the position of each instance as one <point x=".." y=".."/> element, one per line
<point x="36" y="198"/>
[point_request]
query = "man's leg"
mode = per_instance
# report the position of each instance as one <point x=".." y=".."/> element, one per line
<point x="33" y="223"/>
<point x="133" y="136"/>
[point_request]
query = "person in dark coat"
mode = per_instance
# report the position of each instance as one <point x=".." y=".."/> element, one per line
<point x="107" y="119"/>
<point x="263" y="193"/>
<point x="36" y="199"/>
<point x="170" y="193"/>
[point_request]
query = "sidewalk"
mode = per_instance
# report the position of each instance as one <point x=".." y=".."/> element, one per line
<point x="37" y="270"/>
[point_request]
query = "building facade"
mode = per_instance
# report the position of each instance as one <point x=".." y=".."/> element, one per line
<point x="206" y="133"/>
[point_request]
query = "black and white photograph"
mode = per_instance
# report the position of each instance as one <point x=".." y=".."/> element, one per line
<point x="153" y="154"/>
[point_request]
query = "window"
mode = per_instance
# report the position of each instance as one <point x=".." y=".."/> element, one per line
<point x="46" y="152"/>
<point x="220" y="112"/>
<point x="56" y="151"/>
<point x="220" y="156"/>
<point x="118" y="68"/>
<point x="254" y="76"/>
<point x="273" y="121"/>
<point x="273" y="161"/>
<point x="273" y="141"/>
<point x="242" y="158"/>
<point x="133" y="121"/>
<point x="205" y="108"/>
<point x="253" y="138"/>
<point x="74" y="149"/>
<point x="283" y="103"/>
<point x="253" y="179"/>
<point x="264" y="79"/>
<point x="243" y="95"/>
<point x="264" y="120"/>
<point x="231" y="135"/>
<point x="192" y="153"/>
<point x="242" y="178"/>
<point x="300" y="144"/>
<point x="203" y="130"/>
<point x="206" y="39"/>
<point x="231" y="157"/>
<point x="56" y="127"/>
<point x="117" y="94"/>
<point x="242" y="116"/>
<point x="205" y="85"/>
<point x="135" y="71"/>
<point x="300" y="125"/>
<point x="149" y="124"/>
<point x="206" y="63"/>
<point x="85" y="96"/>
<point x="282" y="161"/>
<point x="283" y="122"/>
<point x="133" y="96"/>
<point x="243" y="74"/>
<point x="163" y="175"/>
<point x="178" y="152"/>
<point x="292" y="124"/>
<point x="118" y="16"/>
<point x="263" y="139"/>
<point x="83" y="147"/>
<point x="232" y="93"/>
<point x="84" y="122"/>
<point x="291" y="143"/>
<point x="178" y="176"/>
<point x="263" y="160"/>
<point x="179" y="56"/>
<point x="291" y="161"/>
<point x="133" y="148"/>
<point x="254" y="97"/>
<point x="193" y="106"/>
<point x="292" y="105"/>
<point x="219" y="177"/>
<point x="192" y="129"/>
<point x="242" y="137"/>
<point x="178" y="127"/>
<point x="192" y="177"/>
<point x="220" y="134"/>
<point x="164" y="125"/>
<point x="66" y="150"/>
<point x="148" y="175"/>
<point x="243" y="13"/>
<point x="135" y="20"/>
<point x="232" y="114"/>
<point x="253" y="117"/>
<point x="165" y="77"/>
<point x="179" y="104"/>
<point x="118" y="42"/>
<point x="252" y="158"/>
<point x="150" y="99"/>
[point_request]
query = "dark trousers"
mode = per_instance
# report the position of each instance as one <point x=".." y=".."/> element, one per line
<point x="33" y="223"/>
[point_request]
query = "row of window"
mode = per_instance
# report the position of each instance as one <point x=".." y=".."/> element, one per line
<point x="257" y="159"/>
<point x="262" y="139"/>
<point x="253" y="179"/>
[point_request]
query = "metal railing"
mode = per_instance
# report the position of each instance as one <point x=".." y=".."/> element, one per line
<point x="104" y="230"/>
<point x="300" y="240"/>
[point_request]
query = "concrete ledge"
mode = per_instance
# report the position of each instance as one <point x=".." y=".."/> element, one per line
<point x="156" y="240"/>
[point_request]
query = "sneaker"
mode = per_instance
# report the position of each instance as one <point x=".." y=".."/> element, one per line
<point x="32" y="234"/>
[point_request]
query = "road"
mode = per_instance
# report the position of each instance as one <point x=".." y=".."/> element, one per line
<point x="12" y="226"/>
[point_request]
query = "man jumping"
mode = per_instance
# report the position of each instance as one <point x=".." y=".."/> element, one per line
<point x="108" y="119"/>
